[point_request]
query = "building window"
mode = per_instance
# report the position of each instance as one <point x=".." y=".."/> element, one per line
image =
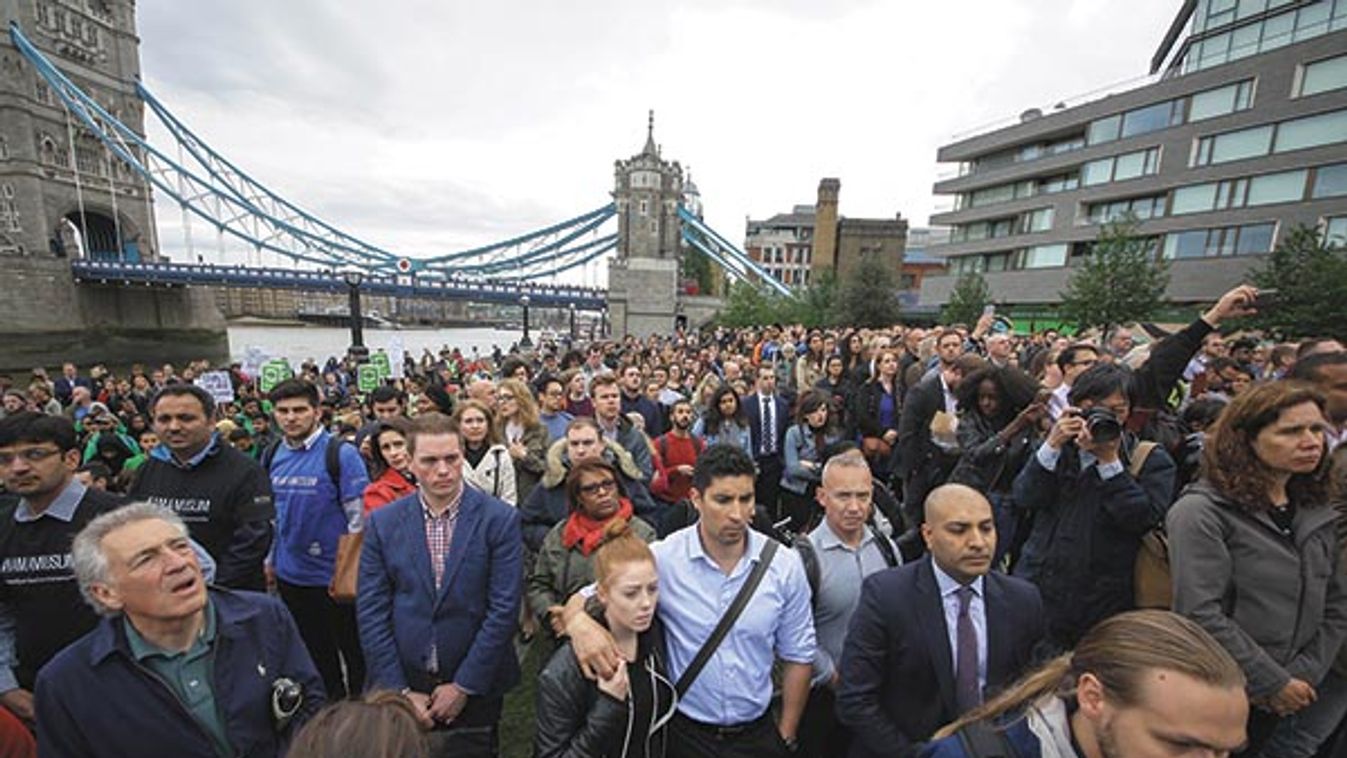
<point x="1311" y="131"/>
<point x="1046" y="256"/>
<point x="1335" y="231"/>
<point x="1036" y="221"/>
<point x="1150" y="206"/>
<point x="1268" y="189"/>
<point x="1152" y="118"/>
<point x="645" y="208"/>
<point x="1330" y="181"/>
<point x="1221" y="241"/>
<point x="1233" y="146"/>
<point x="1322" y="76"/>
<point x="1221" y="101"/>
<point x="1298" y="23"/>
<point x="1103" y="130"/>
<point x="1121" y="167"/>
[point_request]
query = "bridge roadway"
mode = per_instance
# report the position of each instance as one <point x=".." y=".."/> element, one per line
<point x="452" y="288"/>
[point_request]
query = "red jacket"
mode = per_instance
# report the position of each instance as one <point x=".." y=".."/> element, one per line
<point x="391" y="485"/>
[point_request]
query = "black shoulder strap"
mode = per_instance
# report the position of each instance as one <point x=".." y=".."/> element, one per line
<point x="269" y="454"/>
<point x="333" y="460"/>
<point x="723" y="628"/>
<point x="885" y="546"/>
<point x="982" y="740"/>
<point x="812" y="571"/>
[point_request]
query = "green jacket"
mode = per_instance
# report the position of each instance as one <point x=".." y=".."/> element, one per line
<point x="559" y="572"/>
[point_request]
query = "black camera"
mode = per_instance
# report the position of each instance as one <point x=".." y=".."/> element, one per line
<point x="1103" y="424"/>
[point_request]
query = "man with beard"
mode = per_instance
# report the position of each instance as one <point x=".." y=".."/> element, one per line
<point x="676" y="454"/>
<point x="223" y="495"/>
<point x="40" y="607"/>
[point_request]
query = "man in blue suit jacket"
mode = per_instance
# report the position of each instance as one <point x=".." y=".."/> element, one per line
<point x="929" y="639"/>
<point x="767" y="447"/>
<point x="439" y="590"/>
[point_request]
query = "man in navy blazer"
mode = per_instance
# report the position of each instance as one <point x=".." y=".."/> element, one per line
<point x="767" y="447"/>
<point x="930" y="639"/>
<point x="439" y="591"/>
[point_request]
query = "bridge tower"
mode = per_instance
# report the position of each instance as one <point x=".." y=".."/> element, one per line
<point x="643" y="291"/>
<point x="63" y="195"/>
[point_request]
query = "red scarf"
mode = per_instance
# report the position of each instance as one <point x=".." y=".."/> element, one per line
<point x="586" y="532"/>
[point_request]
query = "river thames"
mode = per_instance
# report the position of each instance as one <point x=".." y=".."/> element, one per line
<point x="298" y="343"/>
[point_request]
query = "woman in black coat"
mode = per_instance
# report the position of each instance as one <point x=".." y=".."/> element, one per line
<point x="626" y="715"/>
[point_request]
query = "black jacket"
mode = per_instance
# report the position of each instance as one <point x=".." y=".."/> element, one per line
<point x="227" y="504"/>
<point x="575" y="720"/>
<point x="865" y="408"/>
<point x="1082" y="548"/>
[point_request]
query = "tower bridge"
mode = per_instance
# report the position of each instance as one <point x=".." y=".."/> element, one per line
<point x="81" y="187"/>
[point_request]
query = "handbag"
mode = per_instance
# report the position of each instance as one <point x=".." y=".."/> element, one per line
<point x="347" y="570"/>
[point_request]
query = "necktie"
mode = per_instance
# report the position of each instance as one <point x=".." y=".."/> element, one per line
<point x="768" y="426"/>
<point x="968" y="694"/>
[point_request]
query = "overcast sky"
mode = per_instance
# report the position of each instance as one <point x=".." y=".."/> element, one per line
<point x="427" y="126"/>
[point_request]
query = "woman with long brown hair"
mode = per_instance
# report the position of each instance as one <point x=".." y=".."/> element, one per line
<point x="388" y="453"/>
<point x="1254" y="554"/>
<point x="1139" y="684"/>
<point x="486" y="460"/>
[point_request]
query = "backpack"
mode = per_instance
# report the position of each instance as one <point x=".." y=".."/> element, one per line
<point x="1151" y="581"/>
<point x="331" y="457"/>
<point x="813" y="570"/>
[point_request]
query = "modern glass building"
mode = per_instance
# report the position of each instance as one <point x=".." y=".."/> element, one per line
<point x="1240" y="137"/>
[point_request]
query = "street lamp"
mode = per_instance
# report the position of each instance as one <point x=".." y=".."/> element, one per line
<point x="353" y="277"/>
<point x="571" y="307"/>
<point x="526" y="342"/>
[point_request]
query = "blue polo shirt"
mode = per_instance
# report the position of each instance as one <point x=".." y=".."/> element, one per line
<point x="312" y="513"/>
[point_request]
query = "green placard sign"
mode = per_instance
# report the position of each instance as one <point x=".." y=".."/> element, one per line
<point x="380" y="361"/>
<point x="273" y="373"/>
<point x="367" y="378"/>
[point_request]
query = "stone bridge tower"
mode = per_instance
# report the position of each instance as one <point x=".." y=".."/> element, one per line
<point x="643" y="291"/>
<point x="62" y="196"/>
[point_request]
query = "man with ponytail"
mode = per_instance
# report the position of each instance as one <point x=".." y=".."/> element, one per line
<point x="1142" y="684"/>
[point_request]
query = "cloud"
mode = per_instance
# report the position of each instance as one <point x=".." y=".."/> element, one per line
<point x="433" y="126"/>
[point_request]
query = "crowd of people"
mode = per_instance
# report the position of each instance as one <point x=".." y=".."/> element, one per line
<point x="956" y="541"/>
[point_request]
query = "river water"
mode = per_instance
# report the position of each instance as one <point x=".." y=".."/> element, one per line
<point x="298" y="343"/>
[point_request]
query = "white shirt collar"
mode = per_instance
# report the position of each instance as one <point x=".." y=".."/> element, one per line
<point x="949" y="586"/>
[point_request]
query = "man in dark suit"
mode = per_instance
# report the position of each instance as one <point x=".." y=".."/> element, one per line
<point x="768" y="417"/>
<point x="930" y="639"/>
<point x="65" y="384"/>
<point x="440" y="583"/>
<point x="924" y="461"/>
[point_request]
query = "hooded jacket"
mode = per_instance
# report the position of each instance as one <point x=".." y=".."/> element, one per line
<point x="1277" y="605"/>
<point x="547" y="505"/>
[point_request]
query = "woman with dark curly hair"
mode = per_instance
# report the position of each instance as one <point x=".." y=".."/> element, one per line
<point x="724" y="421"/>
<point x="999" y="414"/>
<point x="1254" y="555"/>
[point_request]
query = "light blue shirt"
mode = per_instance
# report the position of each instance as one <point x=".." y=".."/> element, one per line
<point x="977" y="611"/>
<point x="842" y="570"/>
<point x="735" y="687"/>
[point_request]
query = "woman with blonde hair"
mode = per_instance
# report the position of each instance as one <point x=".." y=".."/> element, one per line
<point x="486" y="460"/>
<point x="1254" y="556"/>
<point x="1141" y="683"/>
<point x="628" y="713"/>
<point x="524" y="434"/>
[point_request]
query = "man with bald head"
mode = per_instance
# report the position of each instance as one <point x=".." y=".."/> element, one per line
<point x="932" y="639"/>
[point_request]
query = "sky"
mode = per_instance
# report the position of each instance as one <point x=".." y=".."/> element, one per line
<point x="430" y="126"/>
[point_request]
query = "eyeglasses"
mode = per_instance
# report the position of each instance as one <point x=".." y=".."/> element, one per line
<point x="31" y="455"/>
<point x="503" y="398"/>
<point x="597" y="487"/>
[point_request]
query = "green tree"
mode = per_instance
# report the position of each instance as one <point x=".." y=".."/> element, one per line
<point x="813" y="305"/>
<point x="868" y="295"/>
<point x="1310" y="277"/>
<point x="749" y="305"/>
<point x="970" y="295"/>
<point x="1121" y="281"/>
<point x="697" y="267"/>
